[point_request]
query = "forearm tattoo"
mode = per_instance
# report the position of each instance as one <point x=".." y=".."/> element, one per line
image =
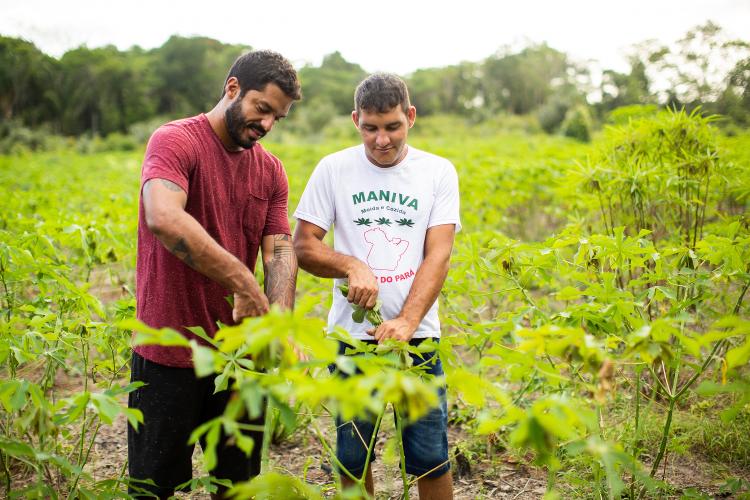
<point x="182" y="252"/>
<point x="281" y="272"/>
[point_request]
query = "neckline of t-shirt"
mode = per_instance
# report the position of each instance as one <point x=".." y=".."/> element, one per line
<point x="386" y="170"/>
<point x="216" y="138"/>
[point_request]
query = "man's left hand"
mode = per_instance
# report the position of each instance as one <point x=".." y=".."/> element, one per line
<point x="396" y="328"/>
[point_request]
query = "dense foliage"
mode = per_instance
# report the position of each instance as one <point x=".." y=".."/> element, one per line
<point x="102" y="91"/>
<point x="597" y="301"/>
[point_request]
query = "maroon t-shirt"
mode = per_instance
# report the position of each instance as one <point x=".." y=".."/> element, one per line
<point x="238" y="197"/>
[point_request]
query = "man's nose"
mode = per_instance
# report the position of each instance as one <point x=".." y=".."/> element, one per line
<point x="382" y="139"/>
<point x="267" y="123"/>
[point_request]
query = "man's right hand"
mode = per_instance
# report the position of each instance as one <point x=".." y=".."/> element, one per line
<point x="251" y="302"/>
<point x="363" y="285"/>
<point x="319" y="259"/>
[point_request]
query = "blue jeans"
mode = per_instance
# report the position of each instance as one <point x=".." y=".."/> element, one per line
<point x="425" y="441"/>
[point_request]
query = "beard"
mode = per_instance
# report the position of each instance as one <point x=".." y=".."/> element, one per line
<point x="236" y="126"/>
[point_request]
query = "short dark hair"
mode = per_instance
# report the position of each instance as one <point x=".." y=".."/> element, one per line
<point x="254" y="70"/>
<point x="381" y="92"/>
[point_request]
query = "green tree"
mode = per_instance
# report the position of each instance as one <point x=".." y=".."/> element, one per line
<point x="103" y="90"/>
<point x="27" y="88"/>
<point x="522" y="82"/>
<point x="453" y="89"/>
<point x="695" y="69"/>
<point x="333" y="81"/>
<point x="623" y="89"/>
<point x="735" y="99"/>
<point x="190" y="73"/>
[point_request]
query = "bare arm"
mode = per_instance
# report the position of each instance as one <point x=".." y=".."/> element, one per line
<point x="426" y="285"/>
<point x="164" y="207"/>
<point x="319" y="259"/>
<point x="280" y="269"/>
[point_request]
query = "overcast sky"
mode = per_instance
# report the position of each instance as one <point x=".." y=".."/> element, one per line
<point x="398" y="36"/>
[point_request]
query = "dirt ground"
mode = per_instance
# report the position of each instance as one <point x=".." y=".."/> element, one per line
<point x="499" y="477"/>
<point x="303" y="455"/>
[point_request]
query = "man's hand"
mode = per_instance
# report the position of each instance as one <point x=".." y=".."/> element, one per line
<point x="363" y="285"/>
<point x="396" y="328"/>
<point x="249" y="303"/>
<point x="319" y="259"/>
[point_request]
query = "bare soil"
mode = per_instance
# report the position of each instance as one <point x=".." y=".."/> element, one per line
<point x="500" y="476"/>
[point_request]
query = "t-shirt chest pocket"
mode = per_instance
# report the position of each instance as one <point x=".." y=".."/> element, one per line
<point x="254" y="215"/>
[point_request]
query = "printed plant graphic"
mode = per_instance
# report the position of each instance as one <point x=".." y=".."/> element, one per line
<point x="383" y="221"/>
<point x="405" y="222"/>
<point x="363" y="222"/>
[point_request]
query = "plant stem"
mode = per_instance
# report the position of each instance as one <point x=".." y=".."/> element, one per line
<point x="332" y="454"/>
<point x="371" y="446"/>
<point x="8" y="296"/>
<point x="267" y="431"/>
<point x="636" y="430"/>
<point x="399" y="432"/>
<point x="664" y="435"/>
<point x="86" y="459"/>
<point x="738" y="305"/>
<point x="7" y="474"/>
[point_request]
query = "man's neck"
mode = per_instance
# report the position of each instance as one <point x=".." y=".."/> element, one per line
<point x="219" y="125"/>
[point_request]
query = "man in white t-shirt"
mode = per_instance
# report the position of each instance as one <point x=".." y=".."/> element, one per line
<point x="394" y="211"/>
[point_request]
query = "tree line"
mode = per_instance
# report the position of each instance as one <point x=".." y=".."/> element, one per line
<point x="103" y="90"/>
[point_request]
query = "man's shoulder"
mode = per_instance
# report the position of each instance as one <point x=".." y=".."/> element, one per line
<point x="190" y="125"/>
<point x="425" y="156"/>
<point x="430" y="164"/>
<point x="343" y="156"/>
<point x="184" y="131"/>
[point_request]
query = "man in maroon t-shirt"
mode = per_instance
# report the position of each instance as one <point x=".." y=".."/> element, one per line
<point x="211" y="196"/>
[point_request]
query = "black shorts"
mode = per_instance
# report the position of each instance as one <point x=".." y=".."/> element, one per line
<point x="174" y="402"/>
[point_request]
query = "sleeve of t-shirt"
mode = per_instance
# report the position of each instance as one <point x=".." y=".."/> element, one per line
<point x="316" y="204"/>
<point x="445" y="210"/>
<point x="277" y="219"/>
<point x="168" y="156"/>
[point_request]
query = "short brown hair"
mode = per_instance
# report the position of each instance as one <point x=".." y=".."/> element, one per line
<point x="381" y="92"/>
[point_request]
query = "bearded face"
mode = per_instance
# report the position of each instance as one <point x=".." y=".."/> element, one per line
<point x="245" y="133"/>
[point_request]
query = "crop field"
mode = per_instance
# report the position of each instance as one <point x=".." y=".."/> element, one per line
<point x="596" y="325"/>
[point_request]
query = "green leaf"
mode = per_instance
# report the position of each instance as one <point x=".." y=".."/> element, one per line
<point x="200" y="332"/>
<point x="203" y="359"/>
<point x="245" y="443"/>
<point x="134" y="416"/>
<point x="107" y="407"/>
<point x="346" y="365"/>
<point x="739" y="356"/>
<point x="358" y="315"/>
<point x="212" y="440"/>
<point x="16" y="449"/>
<point x="221" y="382"/>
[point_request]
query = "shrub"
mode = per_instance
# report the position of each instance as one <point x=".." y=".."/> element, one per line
<point x="577" y="124"/>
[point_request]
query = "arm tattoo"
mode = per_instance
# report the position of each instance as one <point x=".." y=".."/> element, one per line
<point x="182" y="252"/>
<point x="170" y="185"/>
<point x="281" y="272"/>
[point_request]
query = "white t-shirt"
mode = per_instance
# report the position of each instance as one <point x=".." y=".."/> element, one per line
<point x="380" y="216"/>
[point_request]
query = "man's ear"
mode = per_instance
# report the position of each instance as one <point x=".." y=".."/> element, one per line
<point x="232" y="87"/>
<point x="355" y="119"/>
<point x="411" y="115"/>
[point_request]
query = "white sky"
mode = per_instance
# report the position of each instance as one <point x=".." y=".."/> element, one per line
<point x="386" y="35"/>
